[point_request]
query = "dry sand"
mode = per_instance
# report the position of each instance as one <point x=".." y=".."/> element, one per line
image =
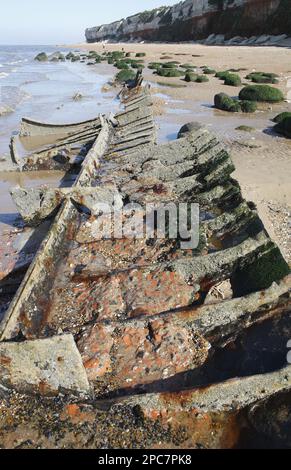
<point x="262" y="159"/>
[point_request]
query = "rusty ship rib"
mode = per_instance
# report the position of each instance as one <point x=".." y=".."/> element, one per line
<point x="126" y="334"/>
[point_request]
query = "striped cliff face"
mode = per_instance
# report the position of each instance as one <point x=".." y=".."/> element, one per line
<point x="145" y="325"/>
<point x="195" y="19"/>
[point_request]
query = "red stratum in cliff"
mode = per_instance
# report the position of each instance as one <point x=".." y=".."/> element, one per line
<point x="136" y="342"/>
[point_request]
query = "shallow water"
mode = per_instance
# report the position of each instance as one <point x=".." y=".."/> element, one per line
<point x="44" y="91"/>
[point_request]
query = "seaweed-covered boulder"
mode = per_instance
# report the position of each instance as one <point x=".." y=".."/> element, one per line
<point x="121" y="65"/>
<point x="280" y="117"/>
<point x="202" y="79"/>
<point x="248" y="106"/>
<point x="70" y="55"/>
<point x="169" y="65"/>
<point x="76" y="58"/>
<point x="232" y="79"/>
<point x="137" y="65"/>
<point x="187" y="66"/>
<point x="209" y="71"/>
<point x="169" y="72"/>
<point x="117" y="55"/>
<point x="56" y="56"/>
<point x="154" y="65"/>
<point x="41" y="57"/>
<point x="262" y="77"/>
<point x="284" y="127"/>
<point x="193" y="77"/>
<point x="263" y="93"/>
<point x="226" y="103"/>
<point x="190" y="77"/>
<point x="222" y="75"/>
<point x="125" y="76"/>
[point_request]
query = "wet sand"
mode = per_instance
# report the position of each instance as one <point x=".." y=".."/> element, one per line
<point x="262" y="159"/>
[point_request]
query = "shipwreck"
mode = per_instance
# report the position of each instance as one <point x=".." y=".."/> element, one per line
<point x="129" y="343"/>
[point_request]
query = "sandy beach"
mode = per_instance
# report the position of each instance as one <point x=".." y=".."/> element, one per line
<point x="262" y="158"/>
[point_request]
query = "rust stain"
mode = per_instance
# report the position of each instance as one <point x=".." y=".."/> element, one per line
<point x="5" y="360"/>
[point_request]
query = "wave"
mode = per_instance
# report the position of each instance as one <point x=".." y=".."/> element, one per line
<point x="15" y="62"/>
<point x="3" y="75"/>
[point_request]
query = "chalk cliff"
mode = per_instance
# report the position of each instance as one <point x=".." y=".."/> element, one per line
<point x="197" y="19"/>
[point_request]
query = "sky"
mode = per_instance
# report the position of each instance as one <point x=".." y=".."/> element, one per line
<point x="63" y="21"/>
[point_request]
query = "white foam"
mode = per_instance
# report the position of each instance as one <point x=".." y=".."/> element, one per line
<point x="3" y="75"/>
<point x="17" y="62"/>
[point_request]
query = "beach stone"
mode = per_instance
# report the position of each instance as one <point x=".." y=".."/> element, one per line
<point x="189" y="127"/>
<point x="56" y="56"/>
<point x="252" y="143"/>
<point x="220" y="292"/>
<point x="78" y="96"/>
<point x="41" y="57"/>
<point x="245" y="128"/>
<point x="46" y="367"/>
